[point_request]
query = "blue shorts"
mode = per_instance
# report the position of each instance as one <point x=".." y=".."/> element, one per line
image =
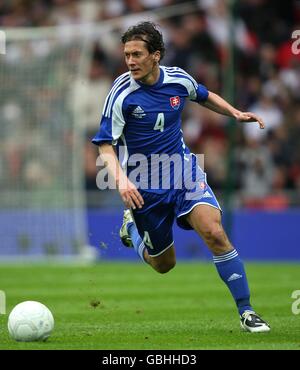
<point x="155" y="219"/>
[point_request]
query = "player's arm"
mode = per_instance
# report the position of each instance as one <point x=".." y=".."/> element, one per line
<point x="217" y="104"/>
<point x="214" y="102"/>
<point x="128" y="191"/>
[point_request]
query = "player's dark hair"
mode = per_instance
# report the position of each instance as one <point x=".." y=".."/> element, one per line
<point x="147" y="32"/>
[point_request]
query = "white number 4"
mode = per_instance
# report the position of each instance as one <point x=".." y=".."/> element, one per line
<point x="160" y="122"/>
<point x="147" y="240"/>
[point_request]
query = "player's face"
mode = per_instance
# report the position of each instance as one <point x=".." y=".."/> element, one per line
<point x="143" y="65"/>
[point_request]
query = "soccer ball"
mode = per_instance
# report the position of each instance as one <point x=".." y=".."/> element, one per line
<point x="30" y="321"/>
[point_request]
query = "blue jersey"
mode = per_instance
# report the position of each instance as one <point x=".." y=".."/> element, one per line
<point x="146" y="119"/>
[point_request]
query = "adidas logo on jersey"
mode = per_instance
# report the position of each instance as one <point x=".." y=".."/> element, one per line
<point x="138" y="112"/>
<point x="206" y="195"/>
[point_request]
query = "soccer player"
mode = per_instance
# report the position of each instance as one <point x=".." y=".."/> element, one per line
<point x="142" y="112"/>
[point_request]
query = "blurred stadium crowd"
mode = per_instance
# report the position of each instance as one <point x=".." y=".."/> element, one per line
<point x="266" y="163"/>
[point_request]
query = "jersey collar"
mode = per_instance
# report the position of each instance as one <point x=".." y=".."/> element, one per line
<point x="157" y="84"/>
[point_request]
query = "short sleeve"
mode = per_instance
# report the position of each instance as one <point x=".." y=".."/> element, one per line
<point x="201" y="93"/>
<point x="196" y="91"/>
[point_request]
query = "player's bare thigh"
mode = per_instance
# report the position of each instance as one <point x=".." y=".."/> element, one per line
<point x="206" y="221"/>
<point x="164" y="262"/>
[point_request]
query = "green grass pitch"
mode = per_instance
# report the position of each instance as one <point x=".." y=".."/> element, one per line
<point x="113" y="305"/>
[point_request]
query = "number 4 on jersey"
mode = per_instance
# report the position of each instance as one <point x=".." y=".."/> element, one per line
<point x="160" y="122"/>
<point x="147" y="240"/>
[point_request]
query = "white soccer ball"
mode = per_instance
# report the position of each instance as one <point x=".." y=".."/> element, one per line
<point x="30" y="321"/>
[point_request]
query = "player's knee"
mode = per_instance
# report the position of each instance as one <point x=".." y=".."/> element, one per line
<point x="164" y="266"/>
<point x="215" y="234"/>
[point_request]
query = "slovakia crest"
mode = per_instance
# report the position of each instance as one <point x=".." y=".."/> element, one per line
<point x="175" y="102"/>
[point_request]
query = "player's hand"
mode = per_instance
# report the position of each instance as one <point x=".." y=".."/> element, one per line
<point x="249" y="117"/>
<point x="130" y="195"/>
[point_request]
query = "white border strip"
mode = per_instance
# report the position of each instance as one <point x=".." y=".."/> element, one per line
<point x="158" y="254"/>
<point x="196" y="204"/>
<point x="225" y="257"/>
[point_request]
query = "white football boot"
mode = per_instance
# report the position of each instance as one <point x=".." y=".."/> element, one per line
<point x="125" y="237"/>
<point x="250" y="321"/>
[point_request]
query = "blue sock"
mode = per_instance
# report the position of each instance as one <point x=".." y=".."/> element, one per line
<point x="232" y="272"/>
<point x="137" y="242"/>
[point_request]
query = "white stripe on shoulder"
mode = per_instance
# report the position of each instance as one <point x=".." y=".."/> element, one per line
<point x="114" y="86"/>
<point x="169" y="68"/>
<point x="185" y="81"/>
<point x="114" y="90"/>
<point x="181" y="72"/>
<point x="187" y="74"/>
<point x="114" y="96"/>
<point x="120" y="77"/>
<point x="118" y="120"/>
